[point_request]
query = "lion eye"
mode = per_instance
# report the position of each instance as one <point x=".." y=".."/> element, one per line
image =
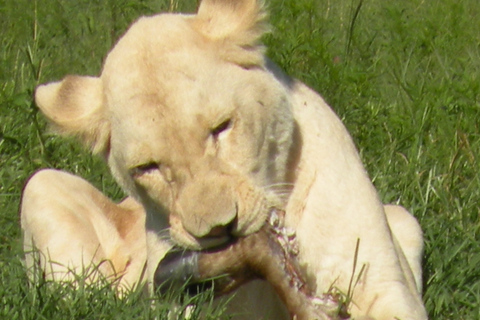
<point x="222" y="127"/>
<point x="145" y="168"/>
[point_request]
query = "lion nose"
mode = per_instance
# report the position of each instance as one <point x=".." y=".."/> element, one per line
<point x="214" y="235"/>
<point x="218" y="235"/>
<point x="208" y="210"/>
<point x="200" y="227"/>
<point x="216" y="224"/>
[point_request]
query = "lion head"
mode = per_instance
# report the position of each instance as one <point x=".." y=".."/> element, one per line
<point x="188" y="118"/>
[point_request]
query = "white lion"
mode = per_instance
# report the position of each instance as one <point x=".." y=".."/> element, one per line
<point x="206" y="134"/>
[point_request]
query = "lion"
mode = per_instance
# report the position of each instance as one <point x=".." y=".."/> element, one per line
<point x="206" y="135"/>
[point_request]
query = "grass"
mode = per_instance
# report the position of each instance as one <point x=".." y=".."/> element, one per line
<point x="403" y="75"/>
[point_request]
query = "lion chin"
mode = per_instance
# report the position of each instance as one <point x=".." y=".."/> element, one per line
<point x="207" y="137"/>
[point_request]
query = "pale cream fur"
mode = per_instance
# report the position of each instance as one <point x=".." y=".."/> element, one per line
<point x="205" y="133"/>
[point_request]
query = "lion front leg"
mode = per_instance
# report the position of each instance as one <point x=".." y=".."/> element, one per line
<point x="73" y="227"/>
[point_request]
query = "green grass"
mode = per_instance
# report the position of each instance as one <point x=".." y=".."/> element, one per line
<point x="403" y="75"/>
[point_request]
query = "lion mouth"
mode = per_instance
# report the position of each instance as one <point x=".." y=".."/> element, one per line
<point x="214" y="242"/>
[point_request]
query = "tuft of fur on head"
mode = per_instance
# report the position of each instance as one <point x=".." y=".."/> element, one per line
<point x="234" y="27"/>
<point x="74" y="106"/>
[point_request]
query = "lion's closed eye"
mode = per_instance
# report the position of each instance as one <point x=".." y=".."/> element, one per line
<point x="216" y="131"/>
<point x="146" y="168"/>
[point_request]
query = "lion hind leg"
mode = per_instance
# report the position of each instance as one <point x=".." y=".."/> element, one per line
<point x="66" y="225"/>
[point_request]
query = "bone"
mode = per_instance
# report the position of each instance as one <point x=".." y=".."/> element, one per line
<point x="267" y="254"/>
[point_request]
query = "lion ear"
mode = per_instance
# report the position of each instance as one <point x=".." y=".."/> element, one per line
<point x="75" y="107"/>
<point x="236" y="26"/>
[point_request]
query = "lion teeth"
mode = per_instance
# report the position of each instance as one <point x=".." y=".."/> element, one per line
<point x="274" y="219"/>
